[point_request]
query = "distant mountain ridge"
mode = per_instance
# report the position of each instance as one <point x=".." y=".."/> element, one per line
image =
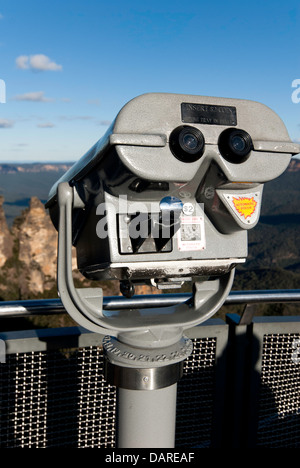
<point x="13" y="168"/>
<point x="7" y="168"/>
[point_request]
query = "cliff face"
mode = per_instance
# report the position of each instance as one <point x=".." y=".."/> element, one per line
<point x="28" y="253"/>
<point x="28" y="256"/>
<point x="6" y="239"/>
<point x="37" y="240"/>
<point x="37" y="250"/>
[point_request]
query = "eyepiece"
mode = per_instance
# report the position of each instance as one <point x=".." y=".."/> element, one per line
<point x="187" y="143"/>
<point x="235" y="145"/>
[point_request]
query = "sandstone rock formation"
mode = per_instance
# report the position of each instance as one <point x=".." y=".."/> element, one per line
<point x="37" y="241"/>
<point x="6" y="239"/>
<point x="37" y="249"/>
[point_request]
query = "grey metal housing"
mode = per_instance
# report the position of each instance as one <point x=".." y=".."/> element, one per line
<point x="136" y="149"/>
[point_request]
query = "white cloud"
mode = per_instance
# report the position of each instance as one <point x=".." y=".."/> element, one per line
<point x="104" y="122"/>
<point x="4" y="123"/>
<point x="36" y="96"/>
<point x="22" y="62"/>
<point x="38" y="62"/>
<point x="46" y="125"/>
<point x="1" y="16"/>
<point x="42" y="62"/>
<point x="76" y="117"/>
<point x="94" y="102"/>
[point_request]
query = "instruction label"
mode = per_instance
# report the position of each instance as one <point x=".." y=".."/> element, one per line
<point x="191" y="235"/>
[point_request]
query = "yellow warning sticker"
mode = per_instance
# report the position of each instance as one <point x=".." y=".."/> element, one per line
<point x="245" y="206"/>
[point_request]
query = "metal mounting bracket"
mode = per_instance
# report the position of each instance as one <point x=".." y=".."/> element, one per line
<point x="146" y="327"/>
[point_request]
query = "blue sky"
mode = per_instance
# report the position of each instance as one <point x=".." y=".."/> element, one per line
<point x="70" y="66"/>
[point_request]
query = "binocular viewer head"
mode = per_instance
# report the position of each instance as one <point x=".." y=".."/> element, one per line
<point x="168" y="194"/>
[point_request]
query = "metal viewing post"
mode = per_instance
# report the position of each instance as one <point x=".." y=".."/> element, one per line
<point x="147" y="392"/>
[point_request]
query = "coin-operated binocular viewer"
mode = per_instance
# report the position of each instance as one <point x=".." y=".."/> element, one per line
<point x="165" y="197"/>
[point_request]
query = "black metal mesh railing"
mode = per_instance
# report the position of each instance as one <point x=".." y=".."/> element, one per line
<point x="241" y="387"/>
<point x="60" y="399"/>
<point x="56" y="399"/>
<point x="279" y="408"/>
<point x="196" y="393"/>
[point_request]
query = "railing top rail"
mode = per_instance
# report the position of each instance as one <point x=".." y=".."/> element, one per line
<point x="9" y="309"/>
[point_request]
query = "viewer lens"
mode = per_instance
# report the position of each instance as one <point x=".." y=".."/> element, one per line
<point x="187" y="143"/>
<point x="235" y="145"/>
<point x="238" y="143"/>
<point x="190" y="141"/>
